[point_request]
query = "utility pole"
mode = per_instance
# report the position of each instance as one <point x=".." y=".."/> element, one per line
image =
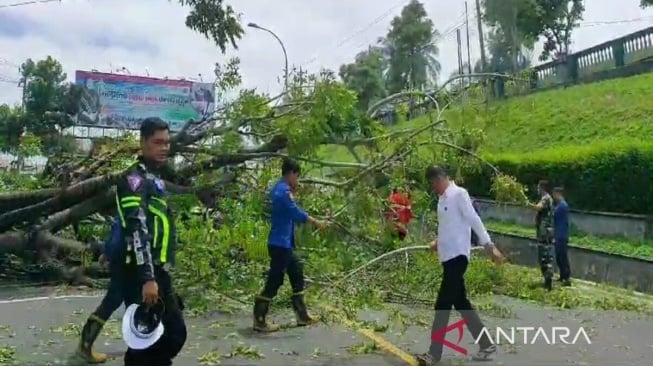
<point x="469" y="55"/>
<point x="460" y="56"/>
<point x="23" y="83"/>
<point x="479" y="22"/>
<point x="515" y="41"/>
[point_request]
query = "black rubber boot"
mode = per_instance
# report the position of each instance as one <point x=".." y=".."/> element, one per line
<point x="566" y="283"/>
<point x="261" y="308"/>
<point x="90" y="332"/>
<point x="301" y="312"/>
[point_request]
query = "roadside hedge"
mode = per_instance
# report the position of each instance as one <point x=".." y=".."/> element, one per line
<point x="607" y="176"/>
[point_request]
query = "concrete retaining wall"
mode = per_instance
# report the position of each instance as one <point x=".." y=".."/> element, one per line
<point x="635" y="227"/>
<point x="630" y="273"/>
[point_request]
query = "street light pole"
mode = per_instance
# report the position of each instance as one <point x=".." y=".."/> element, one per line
<point x="283" y="48"/>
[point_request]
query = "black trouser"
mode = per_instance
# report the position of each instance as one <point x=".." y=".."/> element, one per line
<point x="562" y="258"/>
<point x="115" y="293"/>
<point x="474" y="238"/>
<point x="165" y="349"/>
<point x="282" y="261"/>
<point x="453" y="293"/>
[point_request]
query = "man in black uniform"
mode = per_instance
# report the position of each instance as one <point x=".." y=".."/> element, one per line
<point x="114" y="254"/>
<point x="544" y="232"/>
<point x="149" y="236"/>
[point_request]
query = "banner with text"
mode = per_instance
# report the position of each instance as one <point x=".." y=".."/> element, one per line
<point x="123" y="101"/>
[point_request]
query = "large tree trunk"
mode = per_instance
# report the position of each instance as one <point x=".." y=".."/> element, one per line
<point x="30" y="220"/>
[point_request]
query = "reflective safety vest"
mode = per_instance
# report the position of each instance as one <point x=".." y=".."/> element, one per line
<point x="158" y="225"/>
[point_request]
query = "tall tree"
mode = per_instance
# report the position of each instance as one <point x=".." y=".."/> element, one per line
<point x="411" y="49"/>
<point x="510" y="21"/>
<point x="50" y="102"/>
<point x="11" y="127"/>
<point x="646" y="3"/>
<point x="504" y="57"/>
<point x="558" y="20"/>
<point x="524" y="21"/>
<point x="365" y="76"/>
<point x="215" y="20"/>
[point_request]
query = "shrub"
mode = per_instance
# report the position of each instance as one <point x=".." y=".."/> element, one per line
<point x="612" y="176"/>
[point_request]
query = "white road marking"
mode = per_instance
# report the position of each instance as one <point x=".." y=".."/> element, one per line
<point x="45" y="298"/>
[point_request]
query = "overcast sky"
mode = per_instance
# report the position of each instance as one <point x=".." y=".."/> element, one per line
<point x="149" y="35"/>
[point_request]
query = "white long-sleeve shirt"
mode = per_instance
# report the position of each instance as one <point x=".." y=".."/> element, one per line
<point x="456" y="219"/>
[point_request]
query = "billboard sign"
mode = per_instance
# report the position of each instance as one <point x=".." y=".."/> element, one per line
<point x="123" y="101"/>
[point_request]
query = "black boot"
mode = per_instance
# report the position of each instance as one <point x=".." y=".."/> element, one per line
<point x="547" y="273"/>
<point x="90" y="332"/>
<point x="261" y="308"/>
<point x="566" y="283"/>
<point x="301" y="312"/>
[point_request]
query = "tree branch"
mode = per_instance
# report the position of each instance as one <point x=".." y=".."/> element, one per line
<point x="277" y="143"/>
<point x="71" y="195"/>
<point x="10" y="201"/>
<point x="79" y="211"/>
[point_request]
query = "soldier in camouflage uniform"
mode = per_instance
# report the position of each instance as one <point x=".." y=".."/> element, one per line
<point x="544" y="232"/>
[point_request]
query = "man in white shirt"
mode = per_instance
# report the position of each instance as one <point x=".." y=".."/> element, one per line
<point x="456" y="219"/>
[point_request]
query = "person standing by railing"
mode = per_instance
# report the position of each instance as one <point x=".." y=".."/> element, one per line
<point x="561" y="235"/>
<point x="544" y="232"/>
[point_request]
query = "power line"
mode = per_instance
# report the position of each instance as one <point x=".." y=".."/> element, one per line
<point x="4" y="61"/>
<point x="435" y="33"/>
<point x="609" y="22"/>
<point x="455" y="24"/>
<point x="8" y="80"/>
<point x="451" y="31"/>
<point x="361" y="30"/>
<point x="28" y="3"/>
<point x="371" y="24"/>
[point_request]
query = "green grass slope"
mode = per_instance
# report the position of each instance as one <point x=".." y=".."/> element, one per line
<point x="608" y="111"/>
<point x="618" y="111"/>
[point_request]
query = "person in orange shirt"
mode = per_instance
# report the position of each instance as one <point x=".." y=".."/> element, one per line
<point x="400" y="212"/>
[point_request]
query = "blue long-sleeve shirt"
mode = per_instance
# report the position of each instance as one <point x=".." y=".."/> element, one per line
<point x="113" y="247"/>
<point x="284" y="213"/>
<point x="561" y="222"/>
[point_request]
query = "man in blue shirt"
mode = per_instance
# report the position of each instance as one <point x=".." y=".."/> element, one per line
<point x="284" y="213"/>
<point x="561" y="234"/>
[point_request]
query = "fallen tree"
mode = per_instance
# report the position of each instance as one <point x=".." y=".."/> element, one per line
<point x="54" y="234"/>
<point x="49" y="227"/>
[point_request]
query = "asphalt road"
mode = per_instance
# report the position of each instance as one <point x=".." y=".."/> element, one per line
<point x="45" y="332"/>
